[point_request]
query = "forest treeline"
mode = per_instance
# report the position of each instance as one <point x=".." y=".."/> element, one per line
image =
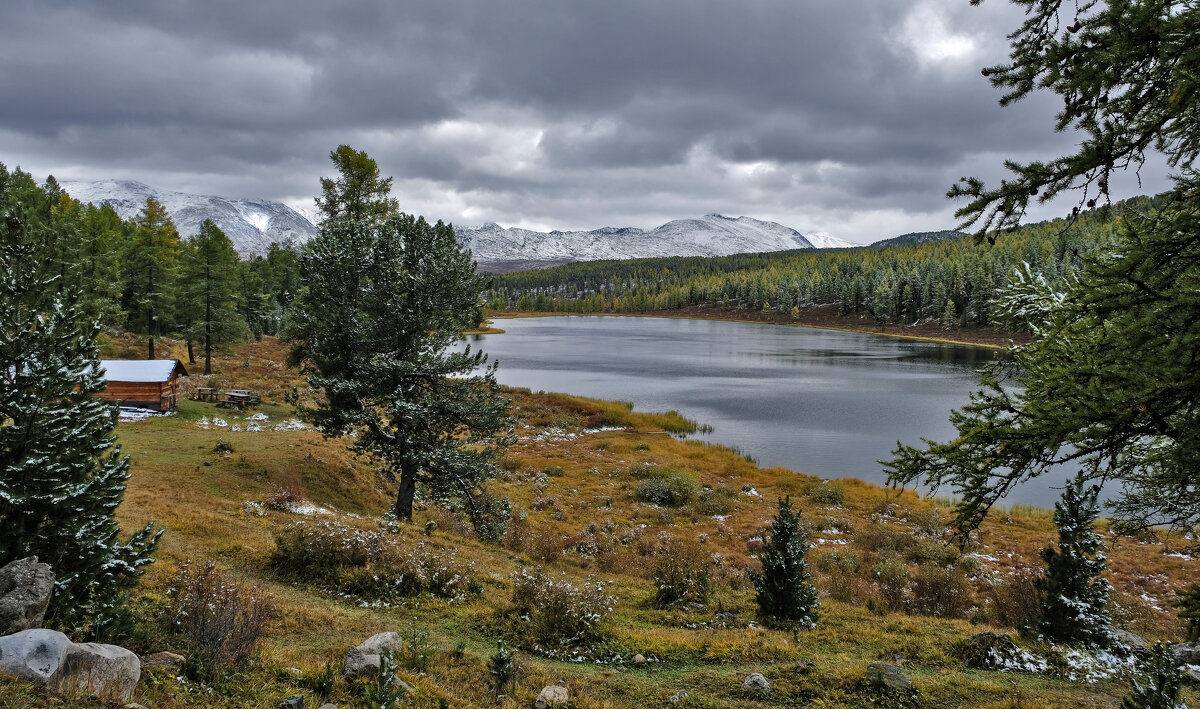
<point x="951" y="281"/>
<point x="141" y="275"/>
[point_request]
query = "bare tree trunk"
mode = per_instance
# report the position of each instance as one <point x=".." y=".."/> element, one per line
<point x="408" y="490"/>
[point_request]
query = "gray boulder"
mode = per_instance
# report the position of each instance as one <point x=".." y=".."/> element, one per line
<point x="363" y="660"/>
<point x="1186" y="653"/>
<point x="888" y="677"/>
<point x="679" y="696"/>
<point x="551" y="696"/>
<point x="25" y="589"/>
<point x="756" y="682"/>
<point x="87" y="669"/>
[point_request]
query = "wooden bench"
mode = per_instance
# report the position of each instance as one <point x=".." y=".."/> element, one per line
<point x="239" y="399"/>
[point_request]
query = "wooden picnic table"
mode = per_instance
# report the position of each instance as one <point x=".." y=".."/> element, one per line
<point x="239" y="399"/>
<point x="206" y="394"/>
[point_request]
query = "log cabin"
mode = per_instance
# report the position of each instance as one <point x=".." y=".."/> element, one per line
<point x="145" y="383"/>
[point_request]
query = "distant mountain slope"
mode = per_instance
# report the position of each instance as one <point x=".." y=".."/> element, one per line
<point x="497" y="248"/>
<point x="251" y="224"/>
<point x="917" y="237"/>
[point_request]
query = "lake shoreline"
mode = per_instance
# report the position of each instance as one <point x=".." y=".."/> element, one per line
<point x="820" y="318"/>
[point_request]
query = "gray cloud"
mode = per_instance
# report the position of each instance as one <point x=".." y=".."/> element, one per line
<point x="852" y="117"/>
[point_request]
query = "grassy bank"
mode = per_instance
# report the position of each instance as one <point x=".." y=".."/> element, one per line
<point x="600" y="493"/>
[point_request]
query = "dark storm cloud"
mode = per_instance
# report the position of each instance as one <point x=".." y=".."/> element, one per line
<point x="532" y="112"/>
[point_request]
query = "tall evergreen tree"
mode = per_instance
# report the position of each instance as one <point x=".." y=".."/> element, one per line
<point x="1111" y="382"/>
<point x="1074" y="595"/>
<point x="383" y="306"/>
<point x="782" y="589"/>
<point x="359" y="192"/>
<point x="151" y="270"/>
<point x="210" y="288"/>
<point x="61" y="476"/>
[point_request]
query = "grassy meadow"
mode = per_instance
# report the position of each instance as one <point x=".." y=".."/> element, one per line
<point x="600" y="493"/>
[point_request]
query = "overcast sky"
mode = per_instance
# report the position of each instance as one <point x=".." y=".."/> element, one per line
<point x="851" y="117"/>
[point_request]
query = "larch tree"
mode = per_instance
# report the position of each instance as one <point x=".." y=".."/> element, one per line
<point x="1111" y="382"/>
<point x="359" y="192"/>
<point x="210" y="289"/>
<point x="62" y="476"/>
<point x="151" y="270"/>
<point x="376" y="329"/>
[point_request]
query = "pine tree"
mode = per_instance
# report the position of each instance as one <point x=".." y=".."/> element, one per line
<point x="384" y="306"/>
<point x="1161" y="690"/>
<point x="61" y="476"/>
<point x="210" y="289"/>
<point x="1073" y="595"/>
<point x="782" y="590"/>
<point x="1110" y="382"/>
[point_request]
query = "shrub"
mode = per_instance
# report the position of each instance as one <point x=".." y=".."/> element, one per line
<point x="1188" y="603"/>
<point x="682" y="574"/>
<point x="1158" y="687"/>
<point x="716" y="501"/>
<point x="553" y="471"/>
<point x="218" y="624"/>
<point x="369" y="564"/>
<point x="828" y="494"/>
<point x="668" y="487"/>
<point x="884" y="538"/>
<point x="1015" y="601"/>
<point x="927" y="522"/>
<point x="384" y="692"/>
<point x="891" y="575"/>
<point x="502" y="666"/>
<point x="782" y="590"/>
<point x="941" y="591"/>
<point x="842" y="568"/>
<point x="557" y="612"/>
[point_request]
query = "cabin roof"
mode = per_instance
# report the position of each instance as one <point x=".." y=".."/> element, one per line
<point x="141" y="370"/>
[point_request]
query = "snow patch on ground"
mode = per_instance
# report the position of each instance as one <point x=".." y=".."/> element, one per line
<point x="1094" y="665"/>
<point x="132" y="413"/>
<point x="253" y="423"/>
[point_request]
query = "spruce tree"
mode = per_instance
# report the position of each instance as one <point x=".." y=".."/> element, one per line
<point x="61" y="475"/>
<point x="1161" y="683"/>
<point x="1073" y="595"/>
<point x="784" y="595"/>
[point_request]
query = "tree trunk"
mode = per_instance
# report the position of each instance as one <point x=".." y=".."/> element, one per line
<point x="408" y="490"/>
<point x="207" y="328"/>
<point x="191" y="354"/>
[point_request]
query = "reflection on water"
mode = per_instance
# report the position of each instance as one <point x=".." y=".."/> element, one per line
<point x="823" y="402"/>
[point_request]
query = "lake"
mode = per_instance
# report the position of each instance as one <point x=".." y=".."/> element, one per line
<point x="821" y="402"/>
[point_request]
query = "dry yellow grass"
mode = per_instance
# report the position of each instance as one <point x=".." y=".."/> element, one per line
<point x="564" y="477"/>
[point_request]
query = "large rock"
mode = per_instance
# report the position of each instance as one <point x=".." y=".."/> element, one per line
<point x="50" y="658"/>
<point x="363" y="660"/>
<point x="551" y="696"/>
<point x="25" y="588"/>
<point x="1186" y="653"/>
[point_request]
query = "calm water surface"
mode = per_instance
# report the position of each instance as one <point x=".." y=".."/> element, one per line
<point x="822" y="402"/>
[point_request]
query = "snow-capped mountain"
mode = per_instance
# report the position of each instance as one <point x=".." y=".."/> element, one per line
<point x="498" y="248"/>
<point x="251" y="224"/>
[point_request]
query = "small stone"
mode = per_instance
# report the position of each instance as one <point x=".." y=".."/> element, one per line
<point x="165" y="660"/>
<point x="134" y="705"/>
<point x="756" y="682"/>
<point x="639" y="659"/>
<point x="883" y="675"/>
<point x="363" y="660"/>
<point x="327" y="705"/>
<point x="296" y="702"/>
<point x="295" y="672"/>
<point x="551" y="696"/>
<point x="679" y="696"/>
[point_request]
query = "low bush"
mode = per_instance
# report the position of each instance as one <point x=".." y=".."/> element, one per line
<point x="715" y="501"/>
<point x="827" y="493"/>
<point x="891" y="576"/>
<point x="369" y="564"/>
<point x="682" y="574"/>
<point x="556" y="612"/>
<point x="1014" y="601"/>
<point x="941" y="591"/>
<point x="219" y="625"/>
<point x="668" y="487"/>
